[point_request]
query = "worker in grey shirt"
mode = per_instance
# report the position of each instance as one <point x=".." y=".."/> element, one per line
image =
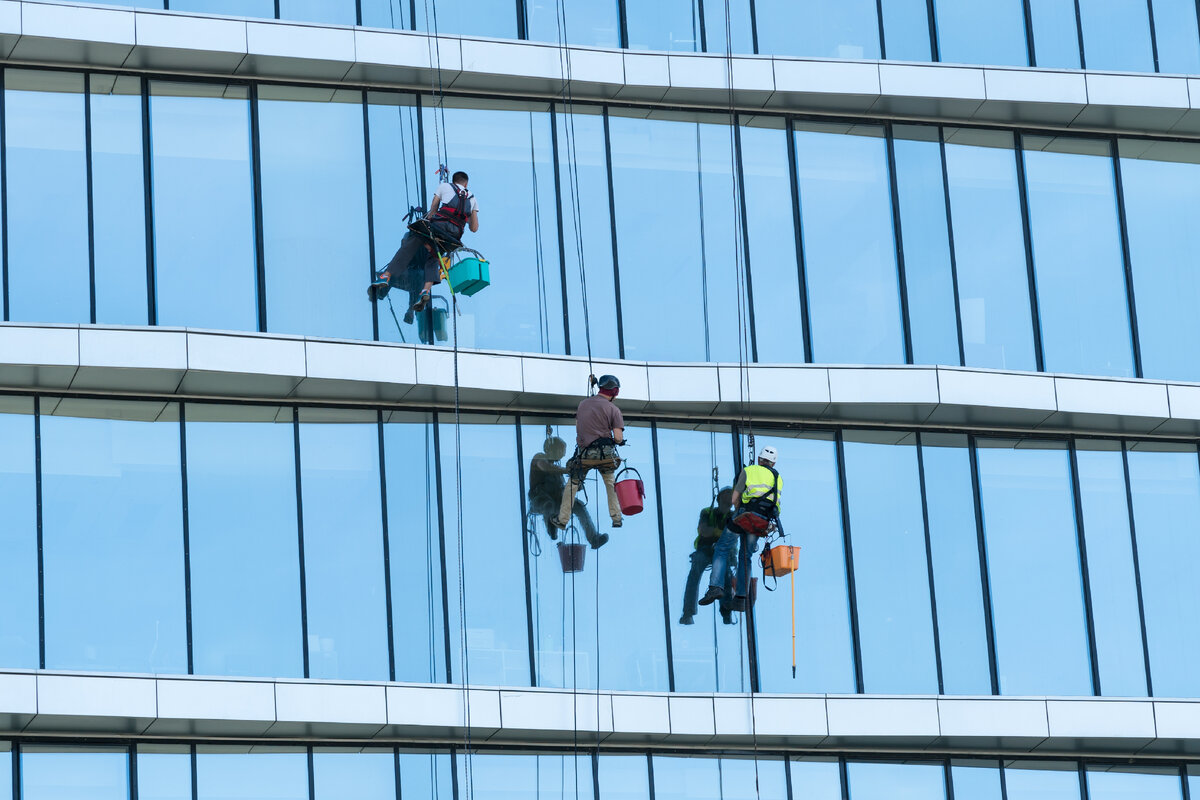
<point x="599" y="429"/>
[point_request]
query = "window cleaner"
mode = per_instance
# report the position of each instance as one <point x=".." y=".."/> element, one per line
<point x="599" y="431"/>
<point x="712" y="522"/>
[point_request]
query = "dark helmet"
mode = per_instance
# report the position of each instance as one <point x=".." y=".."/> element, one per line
<point x="608" y="382"/>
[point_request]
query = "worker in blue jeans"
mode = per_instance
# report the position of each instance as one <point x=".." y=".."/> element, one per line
<point x="708" y="531"/>
<point x="756" y="505"/>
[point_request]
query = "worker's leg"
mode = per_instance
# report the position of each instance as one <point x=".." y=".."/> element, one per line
<point x="723" y="555"/>
<point x="574" y="482"/>
<point x="610" y="488"/>
<point x="392" y="274"/>
<point x="701" y="560"/>
<point x="585" y="519"/>
<point x="749" y="545"/>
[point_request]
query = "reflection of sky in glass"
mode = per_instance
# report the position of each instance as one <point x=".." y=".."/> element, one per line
<point x="71" y="774"/>
<point x="250" y="776"/>
<point x="974" y="32"/>
<point x="1116" y="35"/>
<point x="369" y="775"/>
<point x="18" y="541"/>
<point x="896" y="781"/>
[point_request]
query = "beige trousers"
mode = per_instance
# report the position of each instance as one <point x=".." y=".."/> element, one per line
<point x="568" y="499"/>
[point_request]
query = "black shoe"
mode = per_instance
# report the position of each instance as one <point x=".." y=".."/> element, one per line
<point x="409" y="316"/>
<point x="737" y="604"/>
<point x="686" y="619"/>
<point x="553" y="533"/>
<point x="616" y="523"/>
<point x="727" y="618"/>
<point x="597" y="540"/>
<point x="378" y="290"/>
<point x="713" y="594"/>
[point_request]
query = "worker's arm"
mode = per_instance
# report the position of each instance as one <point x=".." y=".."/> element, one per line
<point x="619" y="435"/>
<point x="473" y="222"/>
<point x="434" y="205"/>
<point x="738" y="488"/>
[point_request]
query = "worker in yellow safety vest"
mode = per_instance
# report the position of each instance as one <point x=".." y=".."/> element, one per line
<point x="756" y="501"/>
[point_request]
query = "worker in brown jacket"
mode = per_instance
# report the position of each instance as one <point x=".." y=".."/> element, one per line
<point x="599" y="430"/>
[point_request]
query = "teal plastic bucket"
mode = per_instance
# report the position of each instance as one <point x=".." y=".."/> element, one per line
<point x="469" y="276"/>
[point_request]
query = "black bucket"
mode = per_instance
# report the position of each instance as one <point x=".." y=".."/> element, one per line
<point x="571" y="555"/>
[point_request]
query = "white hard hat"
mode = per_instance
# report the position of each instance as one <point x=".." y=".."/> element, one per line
<point x="768" y="454"/>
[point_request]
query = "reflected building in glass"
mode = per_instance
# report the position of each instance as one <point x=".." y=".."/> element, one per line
<point x="266" y="538"/>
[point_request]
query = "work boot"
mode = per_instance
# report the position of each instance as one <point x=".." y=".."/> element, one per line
<point x="713" y="594"/>
<point x="727" y="618"/>
<point x="379" y="289"/>
<point x="617" y="521"/>
<point x="597" y="540"/>
<point x="422" y="301"/>
<point x="686" y="619"/>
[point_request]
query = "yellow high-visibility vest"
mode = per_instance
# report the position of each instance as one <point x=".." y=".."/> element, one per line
<point x="759" y="482"/>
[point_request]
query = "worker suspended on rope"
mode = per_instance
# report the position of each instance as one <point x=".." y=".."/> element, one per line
<point x="713" y="520"/>
<point x="756" y="502"/>
<point x="546" y="484"/>
<point x="416" y="266"/>
<point x="599" y="430"/>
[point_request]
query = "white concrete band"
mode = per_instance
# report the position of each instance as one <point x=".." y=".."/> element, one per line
<point x="172" y="362"/>
<point x="47" y="32"/>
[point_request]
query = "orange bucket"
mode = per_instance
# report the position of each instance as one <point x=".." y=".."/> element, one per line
<point x="780" y="561"/>
<point x="631" y="492"/>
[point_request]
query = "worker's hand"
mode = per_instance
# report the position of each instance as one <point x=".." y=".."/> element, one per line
<point x="622" y="443"/>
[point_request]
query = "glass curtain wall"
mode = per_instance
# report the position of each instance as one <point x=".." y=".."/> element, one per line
<point x="19" y="589"/>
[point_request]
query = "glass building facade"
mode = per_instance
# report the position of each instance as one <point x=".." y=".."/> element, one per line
<point x="251" y="536"/>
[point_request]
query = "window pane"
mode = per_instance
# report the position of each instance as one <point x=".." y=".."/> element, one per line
<point x="426" y="775"/>
<point x="588" y="22"/>
<point x="414" y="548"/>
<point x="708" y="653"/>
<point x="896" y="781"/>
<point x="244" y="545"/>
<point x="741" y="33"/>
<point x="981" y="31"/>
<point x="18" y="538"/>
<point x="1110" y="569"/>
<point x="112" y="535"/>
<point x="1077" y="256"/>
<point x="119" y="199"/>
<point x="750" y="779"/>
<point x="51" y="773"/>
<point x="1041" y="781"/>
<point x="164" y="772"/>
<point x="583" y="134"/>
<point x="978" y="780"/>
<point x="1116" y="35"/>
<point x="503" y="776"/>
<point x="332" y="12"/>
<point x="1033" y="565"/>
<point x="386" y="14"/>
<point x="230" y="775"/>
<point x="354" y="775"/>
<point x="623" y="777"/>
<point x="1162" y="196"/>
<point x="825" y="663"/>
<point x="989" y="250"/>
<point x="203" y="207"/>
<point x="1055" y="33"/>
<point x="47" y="197"/>
<point x="487" y="565"/>
<point x="891" y="573"/>
<point x="849" y="249"/>
<point x="816" y="779"/>
<point x="314" y="201"/>
<point x="920" y="188"/>
<point x="664" y="25"/>
<point x="830" y="28"/>
<point x="1176" y="36"/>
<point x="469" y="18"/>
<point x="906" y="30"/>
<point x="774" y="273"/>
<point x="1128" y="783"/>
<point x="236" y="8"/>
<point x="1166" y="506"/>
<point x="343" y="545"/>
<point x="953" y="537"/>
<point x="683" y="778"/>
<point x="507" y="154"/>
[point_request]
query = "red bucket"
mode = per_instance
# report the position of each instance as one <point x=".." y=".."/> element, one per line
<point x="631" y="492"/>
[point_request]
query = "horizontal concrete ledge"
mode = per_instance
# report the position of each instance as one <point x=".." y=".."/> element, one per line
<point x="54" y="703"/>
<point x="194" y="364"/>
<point x="44" y="32"/>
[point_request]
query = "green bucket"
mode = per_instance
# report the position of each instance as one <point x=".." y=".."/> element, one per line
<point x="469" y="276"/>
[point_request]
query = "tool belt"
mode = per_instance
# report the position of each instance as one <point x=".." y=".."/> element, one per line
<point x="751" y="523"/>
<point x="600" y="454"/>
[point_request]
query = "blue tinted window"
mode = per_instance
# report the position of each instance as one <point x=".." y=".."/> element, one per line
<point x="426" y="775"/>
<point x="588" y="22"/>
<point x="225" y="775"/>
<point x="47" y="189"/>
<point x="1166" y="506"/>
<point x="740" y="34"/>
<point x="1041" y="781"/>
<point x="710" y="778"/>
<point x="119" y="199"/>
<point x="333" y="12"/>
<point x="1110" y="569"/>
<point x="774" y="274"/>
<point x="891" y="574"/>
<point x="1162" y="196"/>
<point x="314" y="201"/>
<point x="354" y="775"/>
<point x="623" y="777"/>
<point x="906" y="30"/>
<point x="1055" y="33"/>
<point x="1077" y="257"/>
<point x="164" y="772"/>
<point x="468" y="17"/>
<point x="816" y="779"/>
<point x="896" y="781"/>
<point x="978" y="780"/>
<point x="245" y="562"/>
<point x="414" y="548"/>
<point x="928" y="275"/>
<point x="583" y="134"/>
<point x="18" y="537"/>
<point x="831" y="28"/>
<point x="849" y="247"/>
<point x="1127" y="783"/>
<point x="487" y="564"/>
<point x="203" y="207"/>
<point x="507" y="154"/>
<point x="1175" y="36"/>
<point x="812" y="514"/>
<point x="747" y="779"/>
<point x="386" y="13"/>
<point x="981" y="31"/>
<point x="501" y="776"/>
<point x="1116" y="35"/>
<point x="112" y="535"/>
<point x="953" y="538"/>
<point x="343" y="545"/>
<point x="989" y="250"/>
<point x="664" y="25"/>
<point x="236" y="8"/>
<point x="58" y="773"/>
<point x="1033" y="566"/>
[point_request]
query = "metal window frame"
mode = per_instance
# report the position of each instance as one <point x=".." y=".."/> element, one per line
<point x="1089" y="620"/>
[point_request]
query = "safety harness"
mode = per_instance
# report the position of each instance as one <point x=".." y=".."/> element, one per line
<point x="758" y="513"/>
<point x="458" y="211"/>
